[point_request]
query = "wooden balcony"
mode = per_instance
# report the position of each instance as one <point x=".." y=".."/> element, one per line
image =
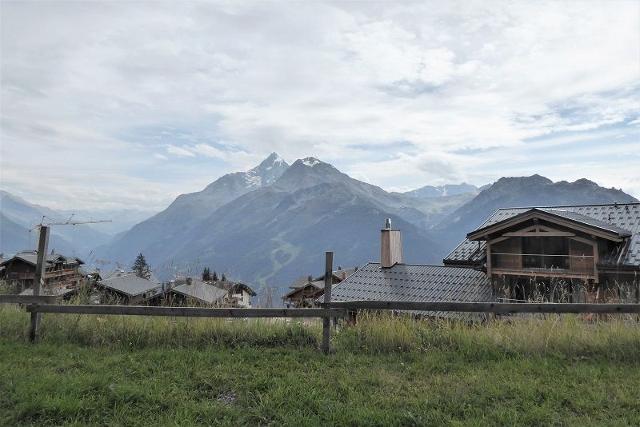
<point x="546" y="265"/>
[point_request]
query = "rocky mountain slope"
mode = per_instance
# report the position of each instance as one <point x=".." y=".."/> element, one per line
<point x="162" y="230"/>
<point x="430" y="191"/>
<point x="271" y="224"/>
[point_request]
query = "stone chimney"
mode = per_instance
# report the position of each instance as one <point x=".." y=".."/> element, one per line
<point x="390" y="246"/>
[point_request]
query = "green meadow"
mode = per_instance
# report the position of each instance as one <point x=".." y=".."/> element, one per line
<point x="115" y="370"/>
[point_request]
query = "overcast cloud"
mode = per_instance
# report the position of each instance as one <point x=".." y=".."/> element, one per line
<point x="118" y="104"/>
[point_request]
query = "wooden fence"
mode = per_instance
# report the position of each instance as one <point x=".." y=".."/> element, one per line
<point x="38" y="304"/>
<point x="488" y="307"/>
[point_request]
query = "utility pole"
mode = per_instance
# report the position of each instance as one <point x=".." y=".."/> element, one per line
<point x="41" y="264"/>
<point x="38" y="280"/>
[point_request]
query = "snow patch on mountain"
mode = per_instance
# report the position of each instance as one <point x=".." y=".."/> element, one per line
<point x="310" y="161"/>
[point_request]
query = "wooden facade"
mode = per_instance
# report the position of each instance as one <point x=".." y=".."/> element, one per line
<point x="61" y="272"/>
<point x="539" y="255"/>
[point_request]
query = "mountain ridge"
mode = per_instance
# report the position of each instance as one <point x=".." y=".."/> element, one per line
<point x="507" y="192"/>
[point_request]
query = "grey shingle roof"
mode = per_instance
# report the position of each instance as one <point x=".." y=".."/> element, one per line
<point x="131" y="285"/>
<point x="405" y="282"/>
<point x="31" y="257"/>
<point x="619" y="218"/>
<point x="317" y="284"/>
<point x="584" y="219"/>
<point x="57" y="291"/>
<point x="201" y="291"/>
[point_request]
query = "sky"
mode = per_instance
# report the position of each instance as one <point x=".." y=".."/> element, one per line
<point x="111" y="105"/>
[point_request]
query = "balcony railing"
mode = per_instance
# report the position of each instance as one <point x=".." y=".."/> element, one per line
<point x="548" y="263"/>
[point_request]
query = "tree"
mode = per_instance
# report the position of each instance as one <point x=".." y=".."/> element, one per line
<point x="224" y="278"/>
<point x="215" y="277"/>
<point x="141" y="268"/>
<point x="206" y="274"/>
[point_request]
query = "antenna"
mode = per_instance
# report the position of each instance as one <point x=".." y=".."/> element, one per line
<point x="68" y="222"/>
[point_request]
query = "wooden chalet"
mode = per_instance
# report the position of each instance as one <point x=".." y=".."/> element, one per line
<point x="306" y="291"/>
<point x="194" y="292"/>
<point x="63" y="275"/>
<point x="220" y="293"/>
<point x="127" y="288"/>
<point x="584" y="253"/>
<point x="240" y="294"/>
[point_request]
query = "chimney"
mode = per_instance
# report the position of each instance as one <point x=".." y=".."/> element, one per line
<point x="390" y="246"/>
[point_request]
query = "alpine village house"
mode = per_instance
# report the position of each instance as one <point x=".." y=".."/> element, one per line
<point x="580" y="253"/>
<point x="62" y="273"/>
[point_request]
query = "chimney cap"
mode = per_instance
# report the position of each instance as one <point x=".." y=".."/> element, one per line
<point x="387" y="224"/>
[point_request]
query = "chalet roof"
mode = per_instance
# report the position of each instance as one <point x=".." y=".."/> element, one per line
<point x="316" y="284"/>
<point x="622" y="219"/>
<point x="131" y="285"/>
<point x="550" y="213"/>
<point x="55" y="291"/>
<point x="300" y="282"/>
<point x="31" y="257"/>
<point x="340" y="274"/>
<point x="422" y="283"/>
<point x="234" y="286"/>
<point x="201" y="291"/>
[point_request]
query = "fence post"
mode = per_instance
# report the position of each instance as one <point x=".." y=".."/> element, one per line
<point x="326" y="321"/>
<point x="38" y="279"/>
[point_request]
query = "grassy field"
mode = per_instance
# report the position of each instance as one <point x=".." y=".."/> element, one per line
<point x="385" y="371"/>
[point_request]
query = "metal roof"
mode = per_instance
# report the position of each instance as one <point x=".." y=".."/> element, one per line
<point x="131" y="285"/>
<point x="201" y="291"/>
<point x="406" y="282"/>
<point x="617" y="217"/>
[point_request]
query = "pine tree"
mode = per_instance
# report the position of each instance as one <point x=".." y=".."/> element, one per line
<point x="140" y="267"/>
<point x="224" y="278"/>
<point x="215" y="277"/>
<point x="206" y="274"/>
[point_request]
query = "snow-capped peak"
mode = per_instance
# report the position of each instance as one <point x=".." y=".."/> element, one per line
<point x="266" y="172"/>
<point x="310" y="161"/>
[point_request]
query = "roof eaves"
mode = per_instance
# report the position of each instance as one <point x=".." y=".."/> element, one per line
<point x="481" y="232"/>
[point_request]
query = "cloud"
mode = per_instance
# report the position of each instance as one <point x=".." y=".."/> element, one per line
<point x="471" y="90"/>
<point x="179" y="151"/>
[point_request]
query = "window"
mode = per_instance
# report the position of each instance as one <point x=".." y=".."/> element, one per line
<point x="545" y="252"/>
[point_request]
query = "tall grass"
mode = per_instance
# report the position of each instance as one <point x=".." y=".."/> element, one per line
<point x="565" y="335"/>
<point x="374" y="333"/>
<point x="139" y="332"/>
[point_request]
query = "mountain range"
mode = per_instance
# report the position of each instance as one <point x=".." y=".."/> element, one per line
<point x="534" y="190"/>
<point x="430" y="191"/>
<point x="272" y="224"/>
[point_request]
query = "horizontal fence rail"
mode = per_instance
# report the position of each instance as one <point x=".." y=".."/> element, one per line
<point x="132" y="310"/>
<point x="27" y="299"/>
<point x="488" y="307"/>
